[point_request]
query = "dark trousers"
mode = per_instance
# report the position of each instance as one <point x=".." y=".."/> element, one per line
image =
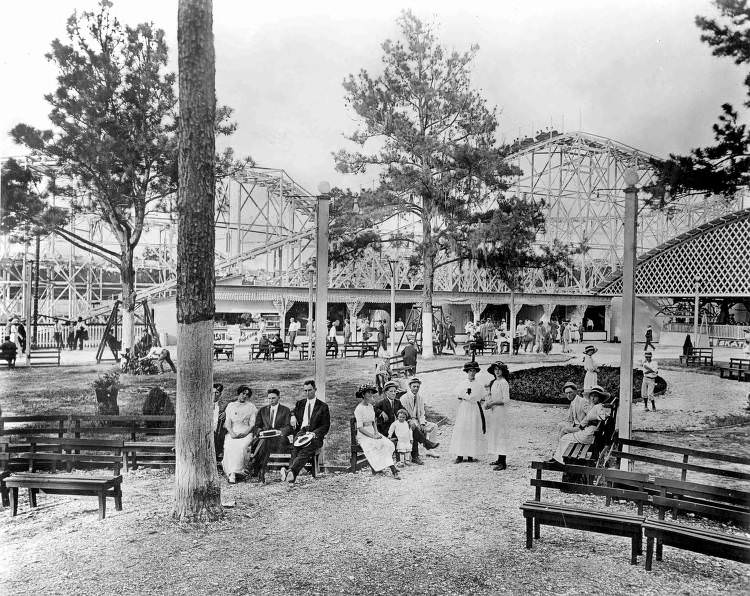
<point x="78" y="340"/>
<point x="292" y="338"/>
<point x="302" y="455"/>
<point x="417" y="437"/>
<point x="264" y="450"/>
<point x="164" y="357"/>
<point x="648" y="343"/>
<point x="58" y="339"/>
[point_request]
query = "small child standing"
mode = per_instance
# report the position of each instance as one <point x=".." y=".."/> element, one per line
<point x="400" y="428"/>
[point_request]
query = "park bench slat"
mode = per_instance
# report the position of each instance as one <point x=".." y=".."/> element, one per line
<point x="682" y="465"/>
<point x="738" y="459"/>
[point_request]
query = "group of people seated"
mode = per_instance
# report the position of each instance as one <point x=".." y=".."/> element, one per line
<point x="268" y="346"/>
<point x="246" y="436"/>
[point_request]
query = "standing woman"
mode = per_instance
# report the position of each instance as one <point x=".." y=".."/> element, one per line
<point x="469" y="432"/>
<point x="377" y="449"/>
<point x="497" y="414"/>
<point x="591" y="368"/>
<point x="240" y="419"/>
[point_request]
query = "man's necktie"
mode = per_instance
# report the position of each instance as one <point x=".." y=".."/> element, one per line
<point x="273" y="416"/>
<point x="309" y="412"/>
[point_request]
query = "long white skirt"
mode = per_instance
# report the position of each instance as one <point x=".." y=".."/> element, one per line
<point x="468" y="439"/>
<point x="379" y="452"/>
<point x="497" y="430"/>
<point x="589" y="380"/>
<point x="235" y="452"/>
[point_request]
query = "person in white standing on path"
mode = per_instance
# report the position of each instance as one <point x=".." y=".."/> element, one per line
<point x="591" y="368"/>
<point x="469" y="438"/>
<point x="497" y="414"/>
<point x="377" y="449"/>
<point x="294" y="327"/>
<point x="650" y="371"/>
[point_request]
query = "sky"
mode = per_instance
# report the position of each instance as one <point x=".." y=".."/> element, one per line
<point x="632" y="70"/>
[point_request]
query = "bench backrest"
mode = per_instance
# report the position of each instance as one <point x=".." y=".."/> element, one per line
<point x="739" y="362"/>
<point x="719" y="494"/>
<point x="16" y="426"/>
<point x="34" y="453"/>
<point x="685" y="464"/>
<point x="127" y="427"/>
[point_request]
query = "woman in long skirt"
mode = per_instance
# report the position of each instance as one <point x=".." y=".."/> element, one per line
<point x="239" y="422"/>
<point x="468" y="434"/>
<point x="496" y="414"/>
<point x="590" y="367"/>
<point x="377" y="449"/>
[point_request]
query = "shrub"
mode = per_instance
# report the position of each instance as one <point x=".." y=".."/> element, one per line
<point x="544" y="384"/>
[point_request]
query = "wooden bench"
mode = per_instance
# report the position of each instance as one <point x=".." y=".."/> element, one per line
<point x="538" y="513"/>
<point x="126" y="427"/>
<point x="707" y="542"/>
<point x="276" y="461"/>
<point x="396" y="364"/>
<point x="698" y="357"/>
<point x="9" y="356"/>
<point x="73" y="454"/>
<point x="149" y="454"/>
<point x="18" y="426"/>
<point x="44" y="356"/>
<point x="223" y="348"/>
<point x="737" y="366"/>
<point x="303" y="352"/>
<point x="256" y="353"/>
<point x="359" y="348"/>
<point x="684" y="466"/>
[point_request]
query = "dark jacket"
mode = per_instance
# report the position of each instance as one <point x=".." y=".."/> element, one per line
<point x="320" y="420"/>
<point x="384" y="405"/>
<point x="410" y="355"/>
<point x="282" y="422"/>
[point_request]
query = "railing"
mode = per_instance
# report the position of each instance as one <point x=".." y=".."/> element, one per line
<point x="729" y="331"/>
<point x="45" y="335"/>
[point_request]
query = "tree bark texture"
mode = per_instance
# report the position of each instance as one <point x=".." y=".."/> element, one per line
<point x="427" y="288"/>
<point x="127" y="280"/>
<point x="197" y="494"/>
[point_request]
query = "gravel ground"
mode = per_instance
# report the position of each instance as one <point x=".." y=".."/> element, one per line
<point x="444" y="529"/>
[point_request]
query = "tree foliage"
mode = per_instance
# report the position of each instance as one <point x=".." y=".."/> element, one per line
<point x="724" y="167"/>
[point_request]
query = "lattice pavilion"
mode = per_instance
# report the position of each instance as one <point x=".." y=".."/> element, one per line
<point x="265" y="237"/>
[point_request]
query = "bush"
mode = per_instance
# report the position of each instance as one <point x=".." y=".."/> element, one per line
<point x="544" y="384"/>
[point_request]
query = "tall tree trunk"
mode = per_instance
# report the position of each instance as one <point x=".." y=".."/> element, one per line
<point x="427" y="290"/>
<point x="512" y="320"/>
<point x="127" y="279"/>
<point x="197" y="495"/>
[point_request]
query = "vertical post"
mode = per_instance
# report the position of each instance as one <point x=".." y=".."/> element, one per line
<point x="394" y="271"/>
<point x="696" y="312"/>
<point x="624" y="412"/>
<point x="321" y="296"/>
<point x="35" y="308"/>
<point x="310" y="327"/>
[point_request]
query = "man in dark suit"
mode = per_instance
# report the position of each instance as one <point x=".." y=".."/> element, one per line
<point x="387" y="408"/>
<point x="274" y="416"/>
<point x="310" y="415"/>
<point x="410" y="358"/>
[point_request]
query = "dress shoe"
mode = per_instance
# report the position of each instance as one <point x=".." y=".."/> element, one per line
<point x="417" y="460"/>
<point x="232" y="479"/>
<point x="397" y="476"/>
<point x="262" y="477"/>
<point x="282" y="474"/>
<point x="431" y="454"/>
<point x="431" y="445"/>
<point x="459" y="460"/>
<point x="501" y="465"/>
<point x="470" y="459"/>
<point x="290" y="478"/>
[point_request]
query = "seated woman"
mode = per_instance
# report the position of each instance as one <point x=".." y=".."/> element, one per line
<point x="240" y="419"/>
<point x="377" y="449"/>
<point x="584" y="433"/>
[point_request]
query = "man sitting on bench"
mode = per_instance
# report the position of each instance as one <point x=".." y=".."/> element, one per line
<point x="264" y="348"/>
<point x="8" y="351"/>
<point x="277" y="345"/>
<point x="413" y="403"/>
<point x="311" y="416"/>
<point x="585" y="431"/>
<point x="274" y="416"/>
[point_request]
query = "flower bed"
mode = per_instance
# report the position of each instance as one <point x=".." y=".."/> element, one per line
<point x="544" y="384"/>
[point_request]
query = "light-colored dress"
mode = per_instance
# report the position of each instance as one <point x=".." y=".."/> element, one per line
<point x="497" y="418"/>
<point x="379" y="452"/>
<point x="240" y="418"/>
<point x="468" y="439"/>
<point x="591" y="377"/>
<point x="577" y="411"/>
<point x="402" y="431"/>
<point x="584" y="436"/>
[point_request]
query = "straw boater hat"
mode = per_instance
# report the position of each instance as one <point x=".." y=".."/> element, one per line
<point x="390" y="384"/>
<point x="471" y="366"/>
<point x="570" y="385"/>
<point x="415" y="380"/>
<point x="599" y="391"/>
<point x="590" y="349"/>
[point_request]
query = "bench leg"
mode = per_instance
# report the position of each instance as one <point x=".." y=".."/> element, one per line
<point x="634" y="540"/>
<point x="32" y="497"/>
<point x="529" y="532"/>
<point x="14" y="501"/>
<point x="659" y="549"/>
<point x="537" y="528"/>
<point x="4" y="495"/>
<point x="102" y="504"/>
<point x="118" y="497"/>
<point x="649" y="552"/>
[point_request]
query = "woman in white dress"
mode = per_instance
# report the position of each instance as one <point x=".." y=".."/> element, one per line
<point x="496" y="414"/>
<point x="591" y="368"/>
<point x="468" y="439"/>
<point x="377" y="449"/>
<point x="585" y="431"/>
<point x="240" y="419"/>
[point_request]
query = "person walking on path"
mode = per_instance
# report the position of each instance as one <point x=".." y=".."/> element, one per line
<point x="565" y="335"/>
<point x="497" y="414"/>
<point x="377" y="449"/>
<point x="649" y="339"/>
<point x="589" y="364"/>
<point x="650" y="371"/>
<point x="469" y="438"/>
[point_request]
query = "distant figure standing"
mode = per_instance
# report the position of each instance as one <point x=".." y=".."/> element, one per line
<point x="71" y="335"/>
<point x="589" y="324"/>
<point x="565" y="336"/>
<point x="347" y="332"/>
<point x="451" y="336"/>
<point x="650" y="370"/>
<point x="649" y="339"/>
<point x="294" y="327"/>
<point x="58" y="334"/>
<point x="81" y="333"/>
<point x="591" y="368"/>
<point x="580" y="332"/>
<point x="573" y="332"/>
<point x="747" y="342"/>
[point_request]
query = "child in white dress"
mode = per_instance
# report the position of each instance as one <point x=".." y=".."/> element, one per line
<point x="400" y="428"/>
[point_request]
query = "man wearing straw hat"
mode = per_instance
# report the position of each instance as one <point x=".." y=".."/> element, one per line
<point x="650" y="371"/>
<point x="591" y="368"/>
<point x="579" y="407"/>
<point x="584" y="432"/>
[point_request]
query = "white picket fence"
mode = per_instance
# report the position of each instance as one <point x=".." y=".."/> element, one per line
<point x="45" y="335"/>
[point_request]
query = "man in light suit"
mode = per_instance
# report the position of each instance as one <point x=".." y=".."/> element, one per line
<point x="310" y="415"/>
<point x="274" y="416"/>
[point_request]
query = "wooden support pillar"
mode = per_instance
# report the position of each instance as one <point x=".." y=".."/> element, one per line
<point x="282" y="304"/>
<point x="354" y="306"/>
<point x="477" y="308"/>
<point x="547" y="310"/>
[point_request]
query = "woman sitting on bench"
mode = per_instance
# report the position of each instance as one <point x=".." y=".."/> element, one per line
<point x="587" y="428"/>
